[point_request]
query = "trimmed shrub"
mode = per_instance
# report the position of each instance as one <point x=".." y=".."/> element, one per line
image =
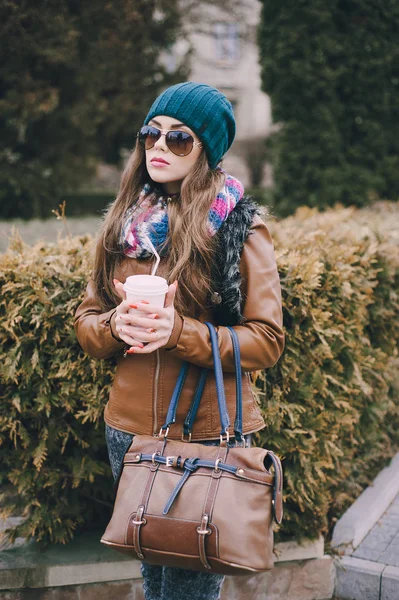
<point x="330" y="69"/>
<point x="330" y="403"/>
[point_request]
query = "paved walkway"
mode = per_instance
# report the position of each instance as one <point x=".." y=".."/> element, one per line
<point x="381" y="544"/>
<point x="371" y="571"/>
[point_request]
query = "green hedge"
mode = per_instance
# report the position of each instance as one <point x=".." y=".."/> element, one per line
<point x="330" y="403"/>
<point x="330" y="69"/>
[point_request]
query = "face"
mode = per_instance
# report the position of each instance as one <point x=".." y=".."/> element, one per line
<point x="175" y="168"/>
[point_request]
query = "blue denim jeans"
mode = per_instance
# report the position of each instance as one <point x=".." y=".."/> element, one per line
<point x="166" y="583"/>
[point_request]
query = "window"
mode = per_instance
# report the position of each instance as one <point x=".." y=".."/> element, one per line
<point x="226" y="42"/>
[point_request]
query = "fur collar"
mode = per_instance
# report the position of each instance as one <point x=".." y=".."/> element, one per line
<point x="226" y="299"/>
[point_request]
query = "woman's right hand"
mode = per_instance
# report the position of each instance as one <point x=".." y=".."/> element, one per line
<point x="121" y="325"/>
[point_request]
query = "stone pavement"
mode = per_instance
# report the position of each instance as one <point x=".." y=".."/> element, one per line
<point x="381" y="544"/>
<point x="371" y="572"/>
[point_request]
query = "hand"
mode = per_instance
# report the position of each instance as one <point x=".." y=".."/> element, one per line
<point x="123" y="330"/>
<point x="155" y="328"/>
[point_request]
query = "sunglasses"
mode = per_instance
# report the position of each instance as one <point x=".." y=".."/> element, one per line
<point x="178" y="142"/>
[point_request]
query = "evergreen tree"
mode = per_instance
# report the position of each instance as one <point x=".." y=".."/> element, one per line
<point x="331" y="69"/>
<point x="76" y="81"/>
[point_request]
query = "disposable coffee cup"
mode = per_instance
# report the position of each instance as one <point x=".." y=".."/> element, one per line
<point x="151" y="288"/>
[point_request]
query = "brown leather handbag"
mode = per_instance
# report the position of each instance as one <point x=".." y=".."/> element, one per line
<point x="189" y="505"/>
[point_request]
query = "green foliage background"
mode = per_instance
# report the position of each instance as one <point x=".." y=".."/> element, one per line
<point x="77" y="79"/>
<point x="331" y="69"/>
<point x="331" y="403"/>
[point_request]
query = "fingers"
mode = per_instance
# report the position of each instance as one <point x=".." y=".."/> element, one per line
<point x="147" y="349"/>
<point x="131" y="341"/>
<point x="123" y="307"/>
<point x="119" y="289"/>
<point x="138" y="320"/>
<point x="149" y="335"/>
<point x="170" y="296"/>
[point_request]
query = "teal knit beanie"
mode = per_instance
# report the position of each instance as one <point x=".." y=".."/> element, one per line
<point x="205" y="110"/>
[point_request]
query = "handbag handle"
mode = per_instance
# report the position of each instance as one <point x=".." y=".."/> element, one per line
<point x="237" y="362"/>
<point x="192" y="413"/>
<point x="221" y="396"/>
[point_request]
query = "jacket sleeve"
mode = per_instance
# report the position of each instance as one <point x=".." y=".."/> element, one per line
<point x="93" y="327"/>
<point x="261" y="336"/>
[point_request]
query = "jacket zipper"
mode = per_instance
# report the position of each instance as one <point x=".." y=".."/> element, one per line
<point x="157" y="368"/>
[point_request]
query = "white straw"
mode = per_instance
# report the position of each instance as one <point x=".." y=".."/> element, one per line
<point x="155" y="267"/>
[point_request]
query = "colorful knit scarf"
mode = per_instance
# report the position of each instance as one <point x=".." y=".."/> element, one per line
<point x="148" y="218"/>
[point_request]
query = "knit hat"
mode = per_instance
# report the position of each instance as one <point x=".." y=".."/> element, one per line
<point x="203" y="109"/>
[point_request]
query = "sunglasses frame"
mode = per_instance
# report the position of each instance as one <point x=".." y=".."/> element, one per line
<point x="165" y="133"/>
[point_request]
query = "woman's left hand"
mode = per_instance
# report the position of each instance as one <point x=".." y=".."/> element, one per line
<point x="158" y="331"/>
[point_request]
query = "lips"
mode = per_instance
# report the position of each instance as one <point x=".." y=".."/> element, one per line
<point x="160" y="161"/>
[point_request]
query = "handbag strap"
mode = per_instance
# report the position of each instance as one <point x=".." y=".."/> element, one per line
<point x="223" y="414"/>
<point x="192" y="413"/>
<point x="237" y="362"/>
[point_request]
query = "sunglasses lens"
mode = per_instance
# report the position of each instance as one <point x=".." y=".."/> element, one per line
<point x="148" y="136"/>
<point x="179" y="142"/>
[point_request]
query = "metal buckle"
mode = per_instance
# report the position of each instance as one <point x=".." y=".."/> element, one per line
<point x="169" y="461"/>
<point x="183" y="438"/>
<point x="219" y="460"/>
<point x="227" y="438"/>
<point x="139" y="514"/>
<point x="153" y="457"/>
<point x="165" y="433"/>
<point x="203" y="529"/>
<point x="241" y="444"/>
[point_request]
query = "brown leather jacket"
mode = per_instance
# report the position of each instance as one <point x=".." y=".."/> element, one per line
<point x="143" y="384"/>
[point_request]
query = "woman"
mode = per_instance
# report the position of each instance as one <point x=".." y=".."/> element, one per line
<point x="214" y="244"/>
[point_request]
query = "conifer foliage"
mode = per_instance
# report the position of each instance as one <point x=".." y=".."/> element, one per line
<point x="331" y="69"/>
<point x="76" y="81"/>
<point x="330" y="404"/>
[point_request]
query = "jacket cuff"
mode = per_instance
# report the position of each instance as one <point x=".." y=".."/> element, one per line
<point x="112" y="326"/>
<point x="176" y="332"/>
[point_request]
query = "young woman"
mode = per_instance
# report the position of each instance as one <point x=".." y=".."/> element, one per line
<point x="217" y="255"/>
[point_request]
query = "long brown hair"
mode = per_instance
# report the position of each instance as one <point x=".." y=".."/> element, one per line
<point x="191" y="249"/>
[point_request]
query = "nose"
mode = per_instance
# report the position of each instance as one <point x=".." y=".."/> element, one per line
<point x="161" y="143"/>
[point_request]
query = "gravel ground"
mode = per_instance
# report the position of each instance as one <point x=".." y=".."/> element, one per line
<point x="46" y="230"/>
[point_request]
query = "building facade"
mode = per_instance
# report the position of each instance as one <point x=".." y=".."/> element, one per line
<point x="224" y="54"/>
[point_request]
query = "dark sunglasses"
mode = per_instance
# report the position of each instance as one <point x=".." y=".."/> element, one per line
<point x="178" y="142"/>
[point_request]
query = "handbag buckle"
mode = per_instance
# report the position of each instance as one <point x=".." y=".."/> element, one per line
<point x="203" y="529"/>
<point x="224" y="442"/>
<point x="170" y="460"/>
<point x="139" y="520"/>
<point x="219" y="460"/>
<point x="163" y="433"/>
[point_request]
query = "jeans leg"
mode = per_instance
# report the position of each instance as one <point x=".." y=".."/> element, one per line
<point x="185" y="584"/>
<point x="152" y="581"/>
<point x="118" y="443"/>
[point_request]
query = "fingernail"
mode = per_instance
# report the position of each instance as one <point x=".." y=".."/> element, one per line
<point x="131" y="351"/>
<point x="150" y="330"/>
<point x="141" y="345"/>
<point x="156" y="317"/>
<point x="133" y="305"/>
<point x="144" y="302"/>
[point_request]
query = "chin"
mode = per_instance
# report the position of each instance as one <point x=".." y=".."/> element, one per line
<point x="159" y="176"/>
